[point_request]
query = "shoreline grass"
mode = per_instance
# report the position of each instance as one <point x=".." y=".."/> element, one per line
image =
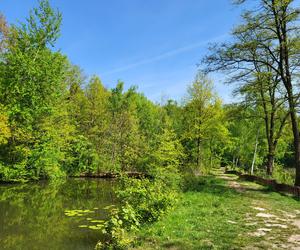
<point x="213" y="215"/>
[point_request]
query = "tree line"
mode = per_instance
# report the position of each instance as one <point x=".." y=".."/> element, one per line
<point x="55" y="121"/>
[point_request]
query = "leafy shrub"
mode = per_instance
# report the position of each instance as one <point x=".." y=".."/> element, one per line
<point x="121" y="220"/>
<point x="146" y="200"/>
<point x="142" y="201"/>
<point x="14" y="173"/>
<point x="150" y="198"/>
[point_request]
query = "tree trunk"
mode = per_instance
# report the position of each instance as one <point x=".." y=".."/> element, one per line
<point x="281" y="21"/>
<point x="296" y="147"/>
<point x="270" y="163"/>
<point x="270" y="157"/>
<point x="236" y="162"/>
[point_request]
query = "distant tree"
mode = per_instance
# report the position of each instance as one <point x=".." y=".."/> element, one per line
<point x="96" y="123"/>
<point x="174" y="111"/>
<point x="201" y="112"/>
<point x="3" y="32"/>
<point x="244" y="129"/>
<point x="127" y="144"/>
<point x="167" y="157"/>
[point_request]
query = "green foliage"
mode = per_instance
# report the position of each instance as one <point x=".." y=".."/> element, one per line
<point x="13" y="174"/>
<point x="31" y="88"/>
<point x="283" y="175"/>
<point x="149" y="198"/>
<point x="262" y="58"/>
<point x="204" y="129"/>
<point x="82" y="157"/>
<point x="142" y="201"/>
<point x="243" y="130"/>
<point x="5" y="132"/>
<point x="167" y="159"/>
<point x="56" y="122"/>
<point x="146" y="200"/>
<point x="115" y="229"/>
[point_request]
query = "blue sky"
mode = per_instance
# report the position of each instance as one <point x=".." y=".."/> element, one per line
<point x="154" y="44"/>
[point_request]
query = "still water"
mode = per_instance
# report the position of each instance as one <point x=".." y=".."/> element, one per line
<point x="54" y="215"/>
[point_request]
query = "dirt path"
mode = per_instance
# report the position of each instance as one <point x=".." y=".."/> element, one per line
<point x="274" y="226"/>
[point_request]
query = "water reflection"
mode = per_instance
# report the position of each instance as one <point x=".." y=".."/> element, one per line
<point x="32" y="216"/>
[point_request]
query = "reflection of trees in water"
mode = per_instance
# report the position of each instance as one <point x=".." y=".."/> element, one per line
<point x="32" y="215"/>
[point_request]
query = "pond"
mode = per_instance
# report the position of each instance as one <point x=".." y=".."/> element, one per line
<point x="56" y="216"/>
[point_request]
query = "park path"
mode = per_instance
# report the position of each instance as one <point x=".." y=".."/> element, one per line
<point x="275" y="226"/>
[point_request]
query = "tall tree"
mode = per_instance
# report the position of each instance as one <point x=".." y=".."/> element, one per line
<point x="167" y="157"/>
<point x="273" y="29"/>
<point x="263" y="92"/>
<point x="3" y="32"/>
<point x="200" y="112"/>
<point x="32" y="88"/>
<point x="127" y="144"/>
<point x="97" y="117"/>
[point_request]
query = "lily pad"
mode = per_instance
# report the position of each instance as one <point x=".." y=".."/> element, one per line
<point x="97" y="221"/>
<point x="109" y="207"/>
<point x="77" y="212"/>
<point x="97" y="227"/>
<point x="83" y="226"/>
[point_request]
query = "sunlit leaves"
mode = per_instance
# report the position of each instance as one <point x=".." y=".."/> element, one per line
<point x="5" y="132"/>
<point x="77" y="212"/>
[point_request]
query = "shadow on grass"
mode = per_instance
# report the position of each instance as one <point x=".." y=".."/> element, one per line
<point x="208" y="184"/>
<point x="180" y="245"/>
<point x="177" y="244"/>
<point x="217" y="186"/>
<point x="213" y="185"/>
<point x="269" y="189"/>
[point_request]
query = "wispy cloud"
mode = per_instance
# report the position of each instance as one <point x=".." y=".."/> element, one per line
<point x="164" y="55"/>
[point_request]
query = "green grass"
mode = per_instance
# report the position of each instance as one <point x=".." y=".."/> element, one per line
<point x="213" y="215"/>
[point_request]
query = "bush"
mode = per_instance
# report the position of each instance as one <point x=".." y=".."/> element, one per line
<point x="282" y="175"/>
<point x="142" y="201"/>
<point x="150" y="198"/>
<point x="145" y="200"/>
<point x="121" y="220"/>
<point x="14" y="173"/>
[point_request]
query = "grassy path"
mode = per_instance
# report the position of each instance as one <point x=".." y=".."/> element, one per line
<point x="221" y="212"/>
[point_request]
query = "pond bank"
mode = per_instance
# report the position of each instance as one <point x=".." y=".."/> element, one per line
<point x="110" y="175"/>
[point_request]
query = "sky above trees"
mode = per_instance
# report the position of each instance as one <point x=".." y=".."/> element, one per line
<point x="155" y="45"/>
